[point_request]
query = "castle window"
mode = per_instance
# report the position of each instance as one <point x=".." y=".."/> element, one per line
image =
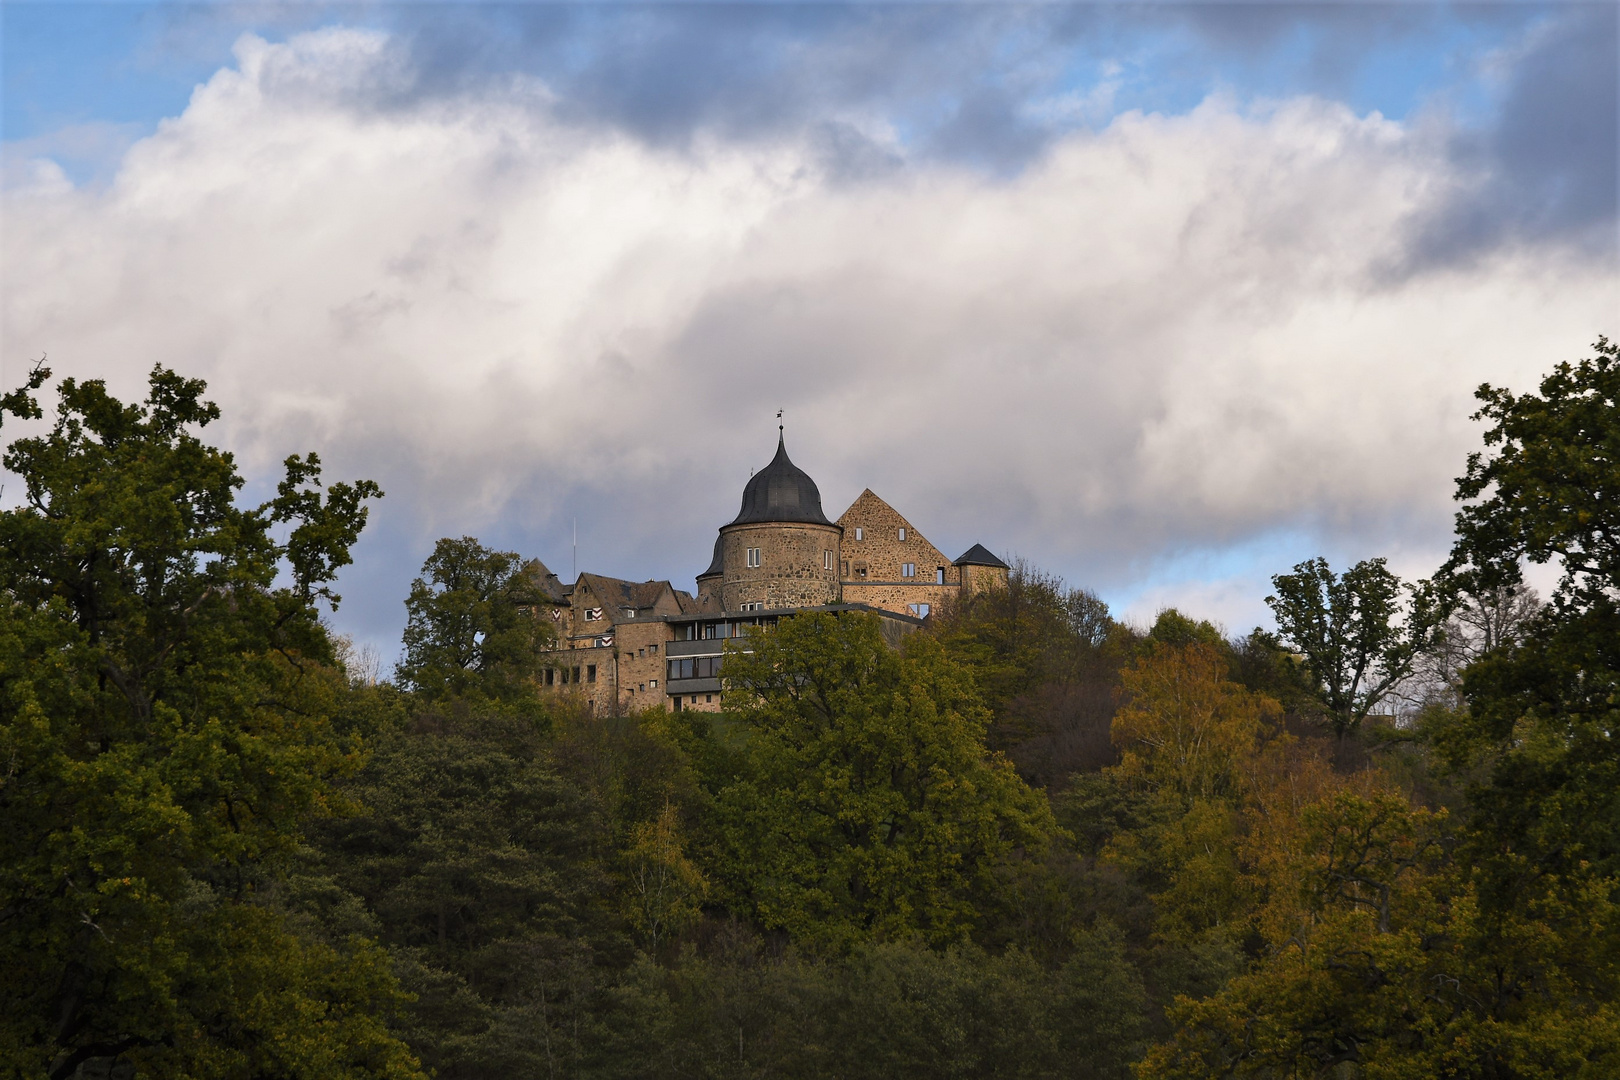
<point x="919" y="610"/>
<point x="653" y="683"/>
<point x="652" y="650"/>
<point x="590" y="672"/>
<point x="902" y="534"/>
<point x="860" y="533"/>
<point x="753" y="556"/>
<point x="939" y="575"/>
<point x="826" y="559"/>
<point x="551" y="676"/>
<point x="575" y="678"/>
<point x="908" y="569"/>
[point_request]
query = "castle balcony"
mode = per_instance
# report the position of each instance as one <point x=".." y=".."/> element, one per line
<point x="701" y="647"/>
<point x="677" y="687"/>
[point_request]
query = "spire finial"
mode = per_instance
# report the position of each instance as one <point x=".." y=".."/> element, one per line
<point x="778" y="423"/>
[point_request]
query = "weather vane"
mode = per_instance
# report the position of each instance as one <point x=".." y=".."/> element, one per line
<point x="779" y="421"/>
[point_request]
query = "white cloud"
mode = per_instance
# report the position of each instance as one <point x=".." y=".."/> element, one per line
<point x="1174" y="334"/>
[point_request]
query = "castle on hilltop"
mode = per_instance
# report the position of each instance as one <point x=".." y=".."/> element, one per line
<point x="627" y="645"/>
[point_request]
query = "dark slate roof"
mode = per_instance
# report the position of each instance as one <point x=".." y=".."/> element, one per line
<point x="714" y="563"/>
<point x="544" y="580"/>
<point x="979" y="555"/>
<point x="619" y="594"/>
<point x="781" y="491"/>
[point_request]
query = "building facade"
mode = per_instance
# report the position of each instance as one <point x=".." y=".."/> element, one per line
<point x="625" y="646"/>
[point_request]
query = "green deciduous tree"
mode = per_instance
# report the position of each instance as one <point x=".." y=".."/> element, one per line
<point x="1537" y="737"/>
<point x="474" y="624"/>
<point x="166" y="728"/>
<point x="1551" y="489"/>
<point x="865" y="802"/>
<point x="1356" y="644"/>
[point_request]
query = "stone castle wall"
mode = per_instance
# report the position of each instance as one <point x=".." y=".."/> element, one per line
<point x="976" y="579"/>
<point x="640" y="648"/>
<point x="872" y="566"/>
<point x="793" y="569"/>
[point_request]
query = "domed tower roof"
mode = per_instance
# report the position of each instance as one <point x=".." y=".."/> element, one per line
<point x="781" y="491"/>
<point x="716" y="564"/>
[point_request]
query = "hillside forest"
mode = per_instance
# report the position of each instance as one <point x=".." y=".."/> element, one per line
<point x="1382" y="841"/>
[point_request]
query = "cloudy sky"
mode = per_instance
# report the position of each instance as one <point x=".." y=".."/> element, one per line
<point x="1162" y="298"/>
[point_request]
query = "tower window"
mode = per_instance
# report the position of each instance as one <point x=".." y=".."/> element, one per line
<point x="590" y="672"/>
<point x="753" y="556"/>
<point x="908" y="569"/>
<point x="902" y="534"/>
<point x="826" y="560"/>
<point x="860" y="533"/>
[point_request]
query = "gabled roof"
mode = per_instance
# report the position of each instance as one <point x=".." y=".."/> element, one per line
<point x="979" y="555"/>
<point x="545" y="581"/>
<point x="781" y="491"/>
<point x="616" y="594"/>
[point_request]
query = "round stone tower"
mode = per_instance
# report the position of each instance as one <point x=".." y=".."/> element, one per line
<point x="780" y="551"/>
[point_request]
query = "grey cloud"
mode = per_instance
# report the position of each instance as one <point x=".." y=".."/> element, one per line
<point x="1548" y="169"/>
<point x="952" y="76"/>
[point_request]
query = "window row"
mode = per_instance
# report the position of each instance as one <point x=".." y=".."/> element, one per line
<point x="695" y="667"/>
<point x="568" y="675"/>
<point x="907" y="570"/>
<point x="860" y="533"/>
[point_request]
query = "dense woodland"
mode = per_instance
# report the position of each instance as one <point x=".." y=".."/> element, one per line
<point x="1032" y="842"/>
